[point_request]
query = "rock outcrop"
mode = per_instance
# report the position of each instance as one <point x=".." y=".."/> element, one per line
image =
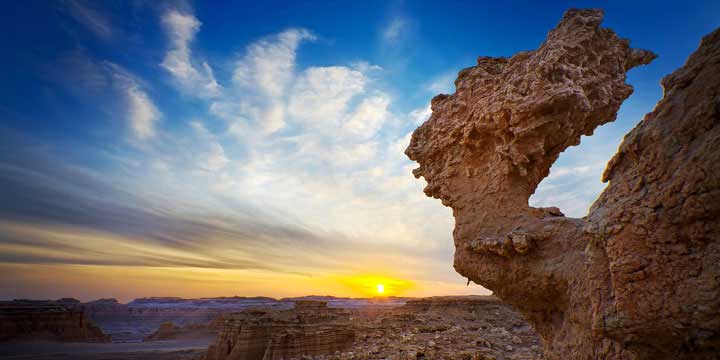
<point x="446" y="327"/>
<point x="170" y="331"/>
<point x="310" y="328"/>
<point x="62" y="320"/>
<point x="639" y="277"/>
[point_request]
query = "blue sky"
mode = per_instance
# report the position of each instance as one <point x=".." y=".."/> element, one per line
<point x="261" y="142"/>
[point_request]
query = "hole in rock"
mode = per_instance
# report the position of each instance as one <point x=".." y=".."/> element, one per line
<point x="574" y="181"/>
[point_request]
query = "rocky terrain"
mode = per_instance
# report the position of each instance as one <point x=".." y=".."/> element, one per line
<point x="639" y="277"/>
<point x="61" y="320"/>
<point x="310" y="328"/>
<point x="471" y="327"/>
<point x="139" y="319"/>
<point x="431" y="328"/>
<point x="169" y="331"/>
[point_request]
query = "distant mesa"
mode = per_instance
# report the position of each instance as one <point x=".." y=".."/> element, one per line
<point x="310" y="328"/>
<point x="61" y="320"/>
<point x="451" y="327"/>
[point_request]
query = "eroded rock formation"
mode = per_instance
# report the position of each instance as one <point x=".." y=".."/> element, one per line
<point x="639" y="277"/>
<point x="61" y="320"/>
<point x="447" y="327"/>
<point x="311" y="328"/>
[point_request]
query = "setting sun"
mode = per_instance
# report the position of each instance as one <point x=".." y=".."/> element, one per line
<point x="376" y="285"/>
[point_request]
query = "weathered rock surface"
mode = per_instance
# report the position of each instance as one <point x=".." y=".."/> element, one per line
<point x="452" y="327"/>
<point x="170" y="331"/>
<point x="639" y="277"/>
<point x="138" y="320"/>
<point x="311" y="328"/>
<point x="456" y="328"/>
<point x="61" y="320"/>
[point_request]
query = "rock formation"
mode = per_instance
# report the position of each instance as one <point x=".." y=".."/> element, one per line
<point x="170" y="331"/>
<point x="639" y="277"/>
<point x="311" y="328"/>
<point x="138" y="320"/>
<point x="445" y="327"/>
<point x="61" y="320"/>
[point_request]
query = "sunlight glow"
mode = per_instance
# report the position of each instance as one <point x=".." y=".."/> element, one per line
<point x="377" y="285"/>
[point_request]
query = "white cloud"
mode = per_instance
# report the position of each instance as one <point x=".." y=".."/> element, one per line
<point x="365" y="67"/>
<point x="216" y="158"/>
<point x="394" y="30"/>
<point x="269" y="64"/>
<point x="142" y="113"/>
<point x="368" y="118"/>
<point x="443" y="84"/>
<point x="421" y="115"/>
<point x="261" y="79"/>
<point x="320" y="144"/>
<point x="571" y="187"/>
<point x="209" y="152"/>
<point x="321" y="94"/>
<point x="181" y="30"/>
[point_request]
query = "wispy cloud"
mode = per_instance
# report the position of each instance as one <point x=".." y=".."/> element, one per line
<point x="292" y="169"/>
<point x="442" y="84"/>
<point x="261" y="81"/>
<point x="141" y="113"/>
<point x="571" y="187"/>
<point x="326" y="135"/>
<point x="92" y="18"/>
<point x="181" y="29"/>
<point x="268" y="64"/>
<point x="213" y="158"/>
<point x="56" y="213"/>
<point x="395" y="30"/>
<point x="421" y="115"/>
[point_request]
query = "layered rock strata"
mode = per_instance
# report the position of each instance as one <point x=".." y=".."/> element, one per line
<point x="639" y="277"/>
<point x="310" y="328"/>
<point x="62" y="320"/>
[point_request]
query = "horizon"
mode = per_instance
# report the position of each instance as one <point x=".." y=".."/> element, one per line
<point x="179" y="149"/>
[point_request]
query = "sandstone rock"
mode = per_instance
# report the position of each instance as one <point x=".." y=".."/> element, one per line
<point x="311" y="328"/>
<point x="640" y="276"/>
<point x="166" y="331"/>
<point x="62" y="320"/>
<point x="453" y="326"/>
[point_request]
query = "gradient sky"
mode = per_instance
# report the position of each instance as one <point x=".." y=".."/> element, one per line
<point x="168" y="148"/>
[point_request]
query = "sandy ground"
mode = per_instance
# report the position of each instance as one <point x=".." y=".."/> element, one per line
<point x="155" y="350"/>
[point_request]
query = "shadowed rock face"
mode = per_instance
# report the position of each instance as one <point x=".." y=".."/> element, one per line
<point x="61" y="320"/>
<point x="640" y="276"/>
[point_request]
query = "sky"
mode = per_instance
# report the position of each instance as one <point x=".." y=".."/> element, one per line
<point x="197" y="149"/>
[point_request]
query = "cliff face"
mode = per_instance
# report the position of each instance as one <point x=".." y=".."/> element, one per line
<point x="309" y="329"/>
<point x="61" y="320"/>
<point x="640" y="276"/>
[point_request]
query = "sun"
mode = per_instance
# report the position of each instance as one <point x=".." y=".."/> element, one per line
<point x="380" y="288"/>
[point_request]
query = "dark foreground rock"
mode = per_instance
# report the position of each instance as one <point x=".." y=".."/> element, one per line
<point x="62" y="320"/>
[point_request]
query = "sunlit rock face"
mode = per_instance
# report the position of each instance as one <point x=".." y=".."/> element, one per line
<point x="639" y="277"/>
<point x="311" y="328"/>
